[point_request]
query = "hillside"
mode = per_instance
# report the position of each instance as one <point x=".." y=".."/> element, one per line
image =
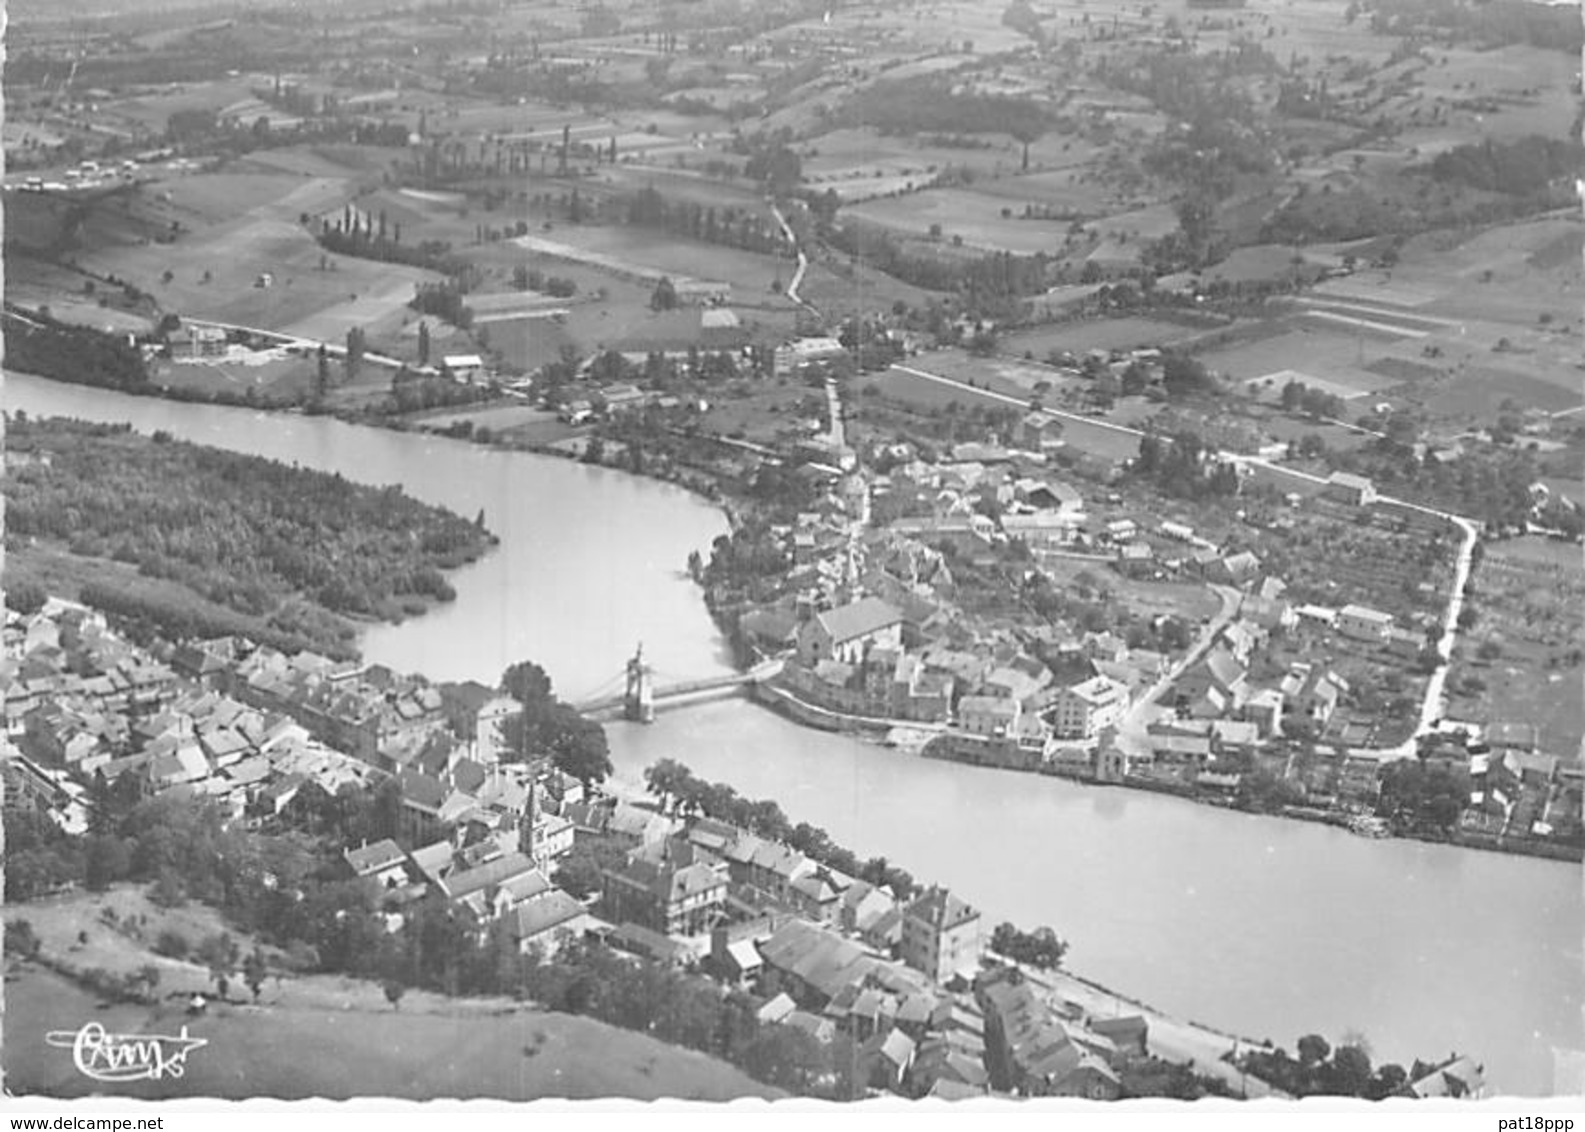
<point x="321" y="1036"/>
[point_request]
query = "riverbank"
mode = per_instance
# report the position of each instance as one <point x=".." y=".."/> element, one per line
<point x="823" y="719"/>
<point x="1010" y="757"/>
<point x="700" y="485"/>
<point x="1169" y="1038"/>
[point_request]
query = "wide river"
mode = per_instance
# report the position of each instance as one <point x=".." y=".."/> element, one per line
<point x="1257" y="926"/>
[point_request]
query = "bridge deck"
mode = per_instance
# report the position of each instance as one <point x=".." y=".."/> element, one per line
<point x="688" y="687"/>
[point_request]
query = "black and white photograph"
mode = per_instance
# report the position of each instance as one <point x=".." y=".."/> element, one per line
<point x="1026" y="553"/>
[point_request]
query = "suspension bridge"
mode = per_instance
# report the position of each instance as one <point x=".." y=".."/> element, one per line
<point x="639" y="691"/>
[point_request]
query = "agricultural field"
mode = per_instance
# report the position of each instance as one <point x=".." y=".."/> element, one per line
<point x="647" y="253"/>
<point x="862" y="289"/>
<point x="926" y="396"/>
<point x="765" y="414"/>
<point x="1480" y="393"/>
<point x="1522" y="661"/>
<point x="1322" y="358"/>
<point x="219" y="253"/>
<point x="1079" y="338"/>
<point x="961" y="214"/>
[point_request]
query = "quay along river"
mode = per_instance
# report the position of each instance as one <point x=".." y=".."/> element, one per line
<point x="1257" y="926"/>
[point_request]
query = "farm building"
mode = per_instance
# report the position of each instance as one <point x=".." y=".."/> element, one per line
<point x="808" y="354"/>
<point x="620" y="398"/>
<point x="1041" y="431"/>
<point x="703" y="291"/>
<point x="1363" y="623"/>
<point x="467" y="368"/>
<point x="1349" y="488"/>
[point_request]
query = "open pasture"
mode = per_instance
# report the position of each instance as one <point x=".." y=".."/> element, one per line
<point x="645" y="254"/>
<point x="1331" y="358"/>
<point x="153" y="110"/>
<point x="214" y="272"/>
<point x="1478" y="394"/>
<point x="852" y="155"/>
<point x="1103" y="334"/>
<point x="220" y="197"/>
<point x="975" y="218"/>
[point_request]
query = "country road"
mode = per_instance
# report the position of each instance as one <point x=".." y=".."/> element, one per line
<point x="1131" y="734"/>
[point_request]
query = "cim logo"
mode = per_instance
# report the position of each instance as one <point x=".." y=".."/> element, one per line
<point x="126" y="1057"/>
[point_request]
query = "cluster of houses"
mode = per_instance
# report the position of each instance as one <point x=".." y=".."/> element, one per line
<point x="83" y="705"/>
<point x="825" y="953"/>
<point x="992" y="700"/>
<point x="250" y="728"/>
<point x="873" y="637"/>
<point x="1516" y="789"/>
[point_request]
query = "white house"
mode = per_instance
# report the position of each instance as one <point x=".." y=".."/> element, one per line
<point x="1350" y="488"/>
<point x="1363" y="623"/>
<point x="1085" y="710"/>
<point x="989" y="715"/>
<point x="467" y="368"/>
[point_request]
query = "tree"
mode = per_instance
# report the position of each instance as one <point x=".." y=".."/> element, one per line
<point x="25" y="595"/>
<point x="423" y="343"/>
<point x="254" y="971"/>
<point x="664" y="297"/>
<point x="21" y="939"/>
<point x="527" y="683"/>
<point x="219" y="954"/>
<point x="1351" y="1071"/>
<point x="355" y="344"/>
<point x="666" y="780"/>
<point x="322" y="374"/>
<point x="1313" y="1049"/>
<point x="1183" y="375"/>
<point x="783" y="1056"/>
<point x="108" y="860"/>
<point x="579" y="747"/>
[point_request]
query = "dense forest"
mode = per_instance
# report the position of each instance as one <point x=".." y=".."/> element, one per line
<point x="37" y="343"/>
<point x="928" y="104"/>
<point x="249" y="534"/>
<point x="1524" y="167"/>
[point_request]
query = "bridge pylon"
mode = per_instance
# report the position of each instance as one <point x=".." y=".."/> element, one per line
<point x="638" y="701"/>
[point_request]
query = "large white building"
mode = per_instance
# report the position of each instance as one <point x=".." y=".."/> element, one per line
<point x="1363" y="623"/>
<point x="1085" y="710"/>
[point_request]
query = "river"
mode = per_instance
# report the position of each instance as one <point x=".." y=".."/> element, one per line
<point x="1258" y="926"/>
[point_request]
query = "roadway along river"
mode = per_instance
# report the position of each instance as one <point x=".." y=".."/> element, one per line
<point x="1258" y="926"/>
